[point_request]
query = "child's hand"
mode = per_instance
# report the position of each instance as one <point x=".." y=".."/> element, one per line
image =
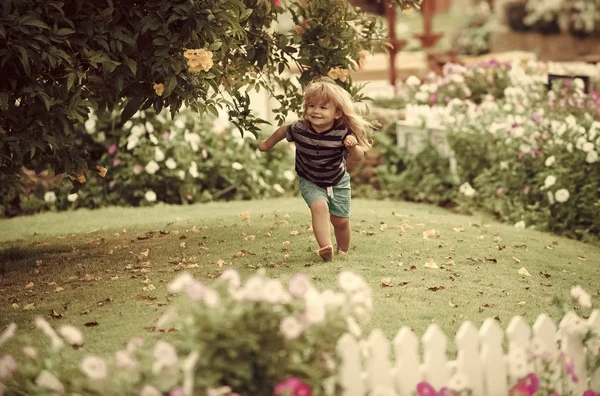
<point x="350" y="141"/>
<point x="262" y="146"/>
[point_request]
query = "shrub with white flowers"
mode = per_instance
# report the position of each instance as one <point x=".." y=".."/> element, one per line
<point x="256" y="337"/>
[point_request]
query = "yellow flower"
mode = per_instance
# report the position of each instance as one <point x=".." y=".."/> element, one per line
<point x="81" y="177"/>
<point x="198" y="60"/>
<point x="102" y="170"/>
<point x="362" y="58"/>
<point x="336" y="73"/>
<point x="159" y="88"/>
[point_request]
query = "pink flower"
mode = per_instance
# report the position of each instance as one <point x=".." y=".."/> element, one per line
<point x="166" y="135"/>
<point x="276" y="3"/>
<point x="426" y="389"/>
<point x="116" y="162"/>
<point x="177" y="391"/>
<point x="433" y="98"/>
<point x="526" y="386"/>
<point x="590" y="392"/>
<point x="292" y="387"/>
<point x="112" y="149"/>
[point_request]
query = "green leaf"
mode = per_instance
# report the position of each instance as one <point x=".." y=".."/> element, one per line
<point x="71" y="80"/>
<point x="132" y="65"/>
<point x="24" y="59"/>
<point x="132" y="106"/>
<point x="65" y="31"/>
<point x="213" y="110"/>
<point x="170" y="84"/>
<point x="35" y="22"/>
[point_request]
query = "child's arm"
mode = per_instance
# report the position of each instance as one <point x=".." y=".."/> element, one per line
<point x="278" y="135"/>
<point x="355" y="151"/>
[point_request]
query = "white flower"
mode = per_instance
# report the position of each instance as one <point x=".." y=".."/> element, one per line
<point x="132" y="141"/>
<point x="273" y="291"/>
<point x="180" y="283"/>
<point x="353" y="327"/>
<point x="253" y="288"/>
<point x="94" y="368"/>
<point x="413" y="81"/>
<point x="171" y="164"/>
<point x="134" y="343"/>
<point x="150" y="196"/>
<point x="72" y="197"/>
<point x="289" y="175"/>
<point x="291" y="328"/>
<point x="149" y="390"/>
<point x="520" y="224"/>
<point x="550" y="161"/>
<point x="48" y="381"/>
<point x="124" y="361"/>
<point x="277" y="187"/>
<point x="231" y="277"/>
<point x="101" y="137"/>
<point x="211" y="298"/>
<point x="153" y="138"/>
<point x="379" y="390"/>
<point x="158" y="154"/>
<point x="315" y="309"/>
<point x="152" y="167"/>
<point x="193" y="139"/>
<point x="350" y="282"/>
<point x="30" y="352"/>
<point x="8" y="365"/>
<point x="181" y="174"/>
<point x="583" y="298"/>
<point x="550" y="197"/>
<point x="562" y="195"/>
<point x="503" y="165"/>
<point x="166" y="318"/>
<point x="179" y="123"/>
<point x="578" y="82"/>
<point x="149" y="126"/>
<point x="299" y="285"/>
<point x="194" y="169"/>
<point x="571" y="120"/>
<point x="50" y="197"/>
<point x="467" y="190"/>
<point x="90" y="125"/>
<point x="45" y="327"/>
<point x="164" y="355"/>
<point x="587" y="147"/>
<point x="549" y="182"/>
<point x="570" y="147"/>
<point x="220" y="391"/>
<point x="591" y="157"/>
<point x="8" y="333"/>
<point x="71" y="334"/>
<point x="422" y="96"/>
<point x="237" y="166"/>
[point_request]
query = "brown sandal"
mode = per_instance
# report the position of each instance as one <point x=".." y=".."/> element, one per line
<point x="326" y="253"/>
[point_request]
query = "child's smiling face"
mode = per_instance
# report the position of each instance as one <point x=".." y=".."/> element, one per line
<point x="322" y="115"/>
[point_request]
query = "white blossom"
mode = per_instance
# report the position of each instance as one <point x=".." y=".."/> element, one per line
<point x="159" y="155"/>
<point x="467" y="190"/>
<point x="50" y="197"/>
<point x="164" y="356"/>
<point x="520" y="224"/>
<point x="561" y="195"/>
<point x="170" y="163"/>
<point x="181" y="174"/>
<point x="277" y="187"/>
<point x="71" y="334"/>
<point x="291" y="328"/>
<point x="8" y="365"/>
<point x="48" y="381"/>
<point x="413" y="81"/>
<point x="152" y="167"/>
<point x="273" y="291"/>
<point x="591" y="157"/>
<point x="180" y="283"/>
<point x="30" y="352"/>
<point x="549" y="181"/>
<point x="149" y="390"/>
<point x="237" y="166"/>
<point x="299" y="285"/>
<point x="45" y="327"/>
<point x="8" y="333"/>
<point x="550" y="161"/>
<point x="289" y="175"/>
<point x="231" y="277"/>
<point x="72" y="197"/>
<point x="150" y="196"/>
<point x="194" y="169"/>
<point x="123" y="360"/>
<point x="583" y="298"/>
<point x="94" y="368"/>
<point x="350" y="282"/>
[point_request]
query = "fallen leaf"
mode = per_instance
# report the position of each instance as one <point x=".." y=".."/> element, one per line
<point x="38" y="263"/>
<point x="245" y="216"/>
<point x="431" y="264"/>
<point x="436" y="288"/>
<point x="294" y="233"/>
<point x="286" y="216"/>
<point x="523" y="271"/>
<point x="16" y="306"/>
<point x="458" y="229"/>
<point x="250" y="238"/>
<point x="413" y="268"/>
<point x="91" y="324"/>
<point x="58" y="289"/>
<point x="268" y="235"/>
<point x="516" y="259"/>
<point x="220" y="262"/>
<point x="430" y="234"/>
<point x="145" y="253"/>
<point x="29" y="285"/>
<point x="581" y="258"/>
<point x="545" y="274"/>
<point x="182" y="244"/>
<point x="386" y="282"/>
<point x="451" y="304"/>
<point x="29" y="307"/>
<point x="55" y="314"/>
<point x="520" y="303"/>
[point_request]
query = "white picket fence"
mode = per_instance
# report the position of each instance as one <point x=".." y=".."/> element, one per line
<point x="368" y="369"/>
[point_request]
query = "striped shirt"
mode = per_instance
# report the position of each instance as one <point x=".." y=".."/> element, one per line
<point x="320" y="157"/>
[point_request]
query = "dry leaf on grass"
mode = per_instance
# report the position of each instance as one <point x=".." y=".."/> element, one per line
<point x="29" y="307"/>
<point x="29" y="285"/>
<point x="220" y="262"/>
<point x="431" y="264"/>
<point x="523" y="271"/>
<point x="386" y="282"/>
<point x="458" y="229"/>
<point x="430" y="234"/>
<point x="59" y="289"/>
<point x="520" y="303"/>
<point x="451" y="304"/>
<point x="294" y="232"/>
<point x="516" y="259"/>
<point x="250" y="238"/>
<point x="245" y="216"/>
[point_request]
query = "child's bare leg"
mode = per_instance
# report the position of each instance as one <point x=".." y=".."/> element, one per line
<point x="341" y="228"/>
<point x="319" y="211"/>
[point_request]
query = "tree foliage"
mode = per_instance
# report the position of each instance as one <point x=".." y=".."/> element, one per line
<point x="60" y="59"/>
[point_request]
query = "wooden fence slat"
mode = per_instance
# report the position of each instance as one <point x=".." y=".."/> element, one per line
<point x="378" y="363"/>
<point x="350" y="377"/>
<point x="435" y="369"/>
<point x="572" y="346"/>
<point x="492" y="359"/>
<point x="468" y="358"/>
<point x="594" y="323"/>
<point x="406" y="351"/>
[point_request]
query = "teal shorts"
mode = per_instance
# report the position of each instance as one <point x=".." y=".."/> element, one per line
<point x="338" y="198"/>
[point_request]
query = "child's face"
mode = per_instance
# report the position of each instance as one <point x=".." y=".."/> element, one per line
<point x="321" y="115"/>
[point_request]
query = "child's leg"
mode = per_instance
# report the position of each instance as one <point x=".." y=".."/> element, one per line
<point x="319" y="211"/>
<point x="341" y="228"/>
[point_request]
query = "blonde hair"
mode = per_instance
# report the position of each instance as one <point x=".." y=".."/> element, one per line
<point x="325" y="90"/>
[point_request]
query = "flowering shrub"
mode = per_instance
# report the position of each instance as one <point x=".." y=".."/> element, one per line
<point x="473" y="39"/>
<point x="153" y="159"/>
<point x="255" y="338"/>
<point x="581" y="17"/>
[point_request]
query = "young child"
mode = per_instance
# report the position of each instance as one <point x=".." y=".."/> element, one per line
<point x="329" y="130"/>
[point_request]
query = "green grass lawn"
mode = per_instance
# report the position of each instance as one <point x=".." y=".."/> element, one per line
<point x="87" y="268"/>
